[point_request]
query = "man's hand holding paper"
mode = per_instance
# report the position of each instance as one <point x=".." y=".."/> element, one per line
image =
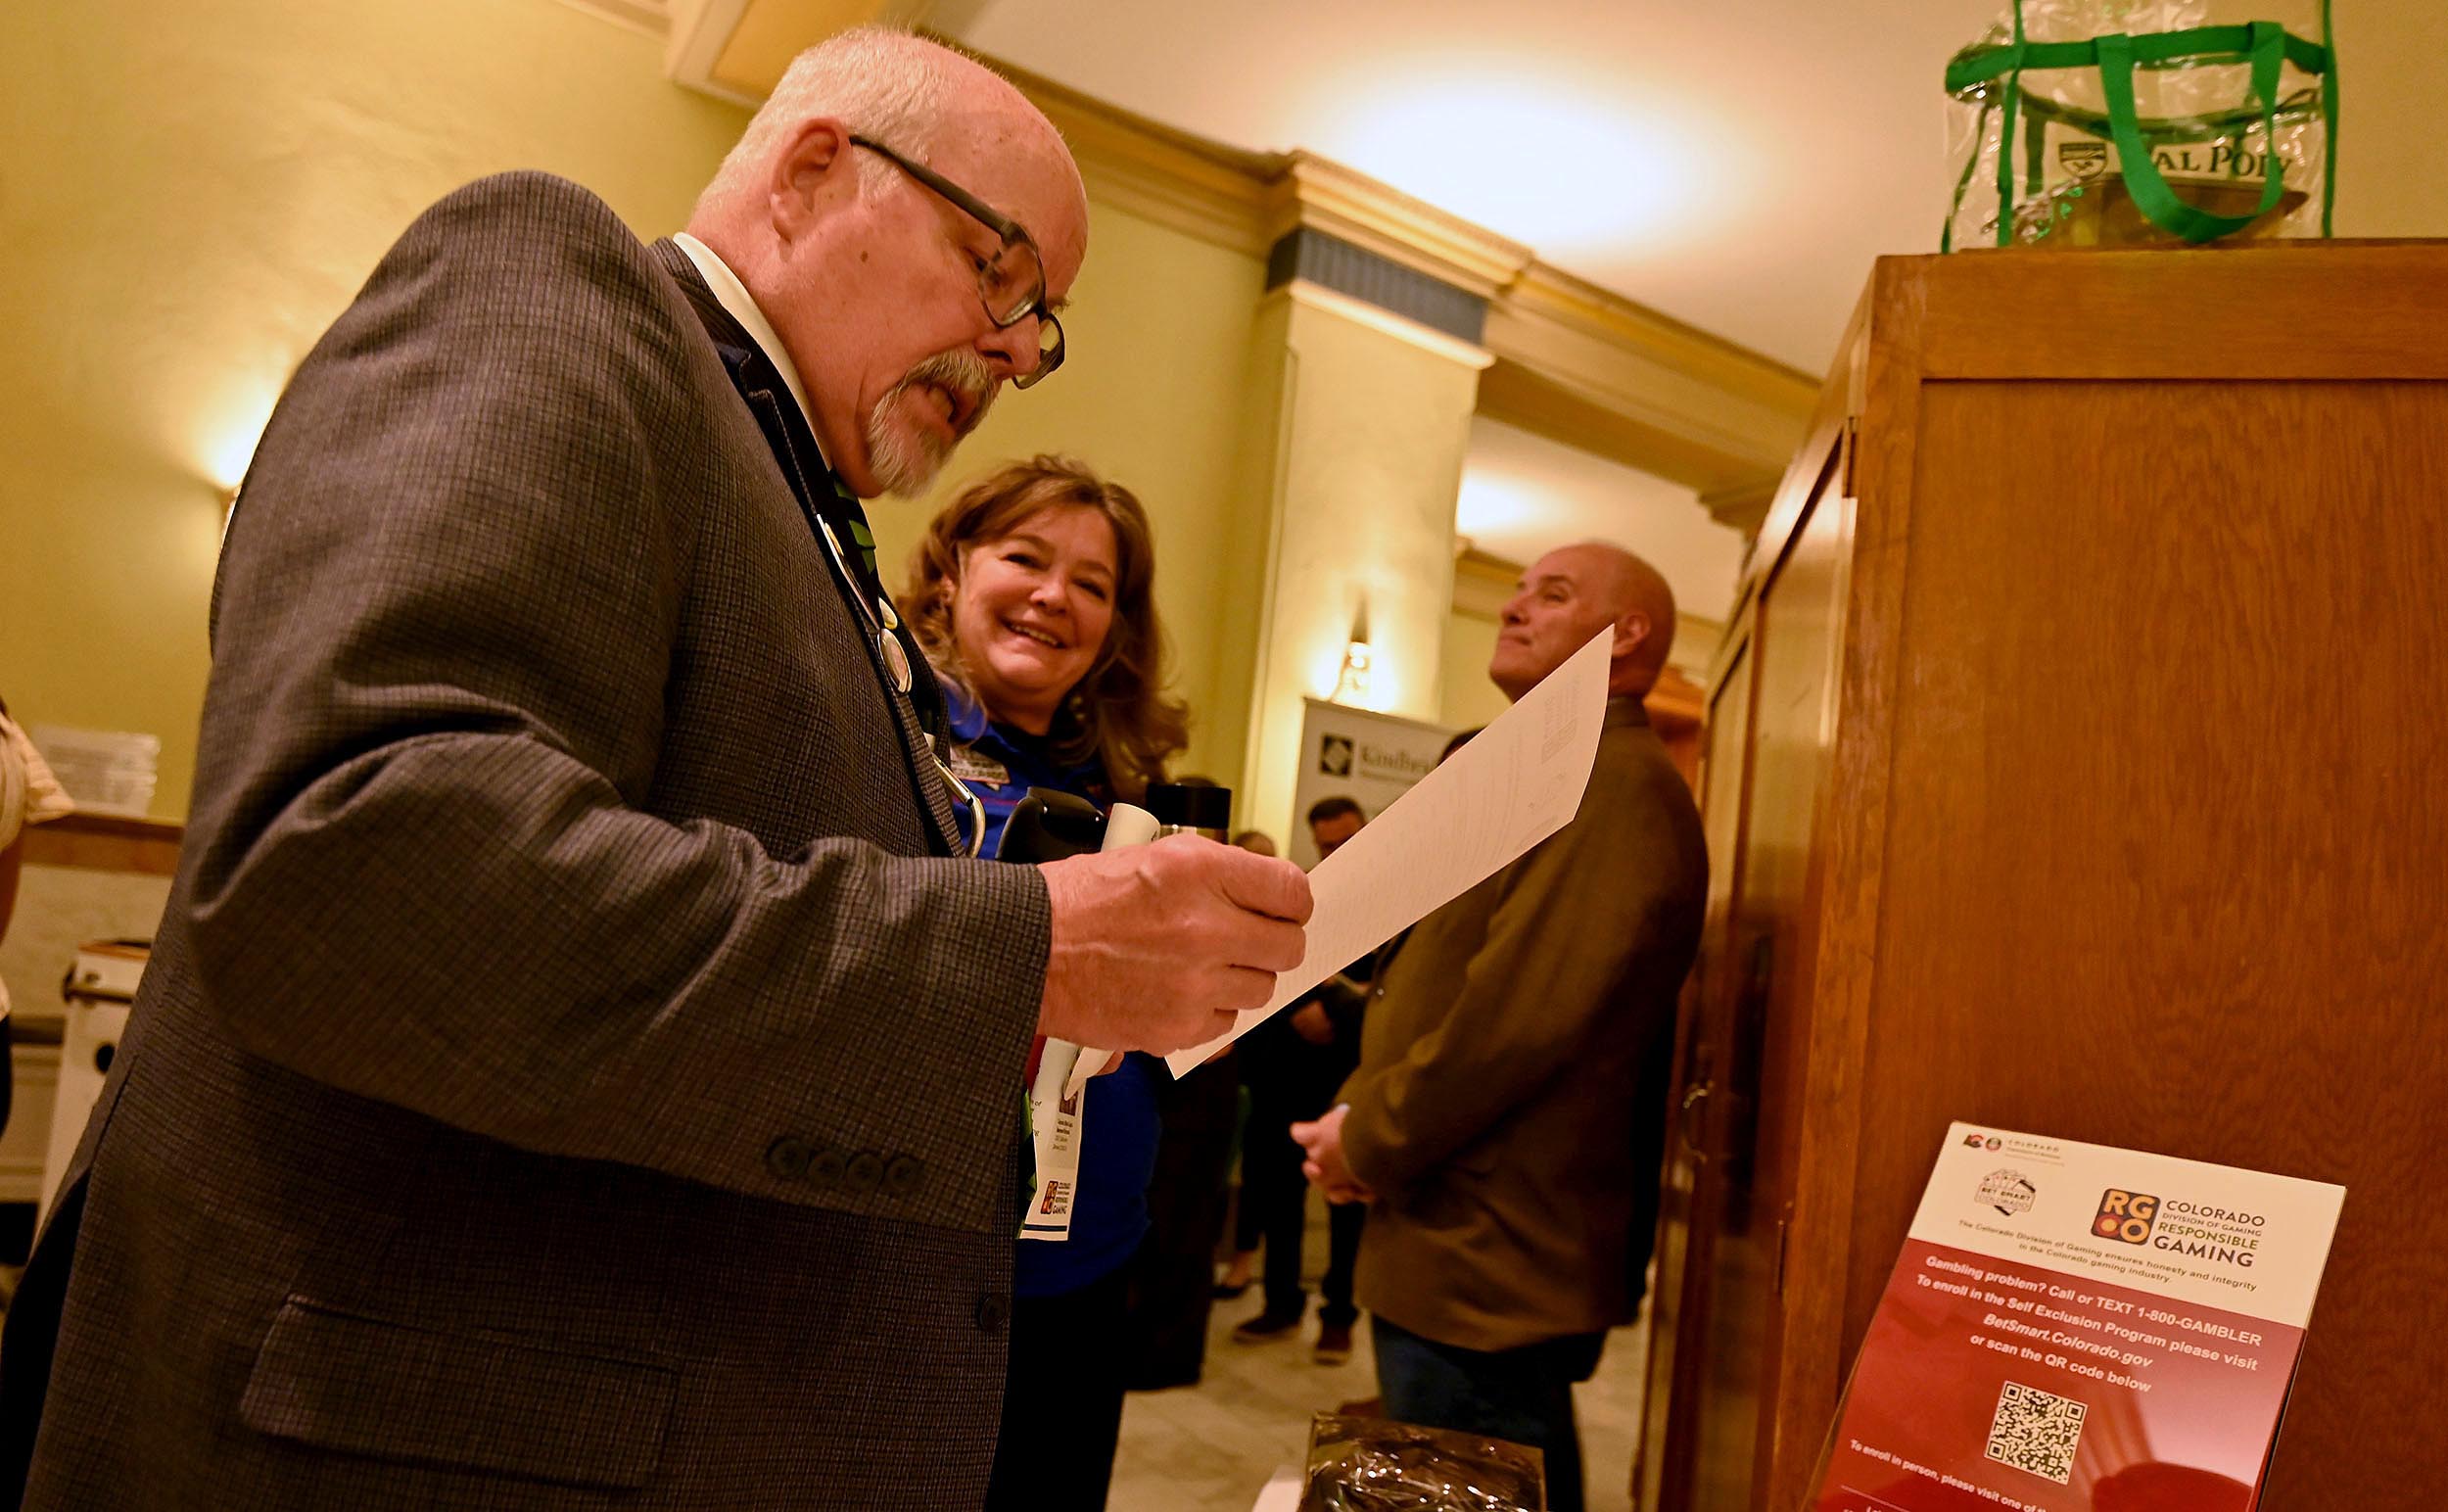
<point x="1160" y="945"/>
<point x="1516" y="782"/>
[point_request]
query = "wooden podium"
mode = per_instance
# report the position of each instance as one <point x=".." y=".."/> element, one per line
<point x="2077" y="763"/>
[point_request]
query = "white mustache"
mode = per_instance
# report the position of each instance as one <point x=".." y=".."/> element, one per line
<point x="906" y="459"/>
<point x="960" y="371"/>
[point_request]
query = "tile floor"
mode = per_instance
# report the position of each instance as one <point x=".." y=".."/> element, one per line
<point x="1211" y="1447"/>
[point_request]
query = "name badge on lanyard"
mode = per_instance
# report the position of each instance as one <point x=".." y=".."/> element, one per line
<point x="971" y="765"/>
<point x="1060" y="1088"/>
<point x="1053" y="1128"/>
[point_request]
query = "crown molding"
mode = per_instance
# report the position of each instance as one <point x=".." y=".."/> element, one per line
<point x="698" y="32"/>
<point x="1733" y="416"/>
<point x="1314" y="193"/>
<point x="1359" y="312"/>
<point x="653" y="18"/>
<point x="1180" y="180"/>
<point x="1549" y="295"/>
<point x="768" y="33"/>
<point x="1483" y="582"/>
<point x="1572" y="361"/>
<point x="1742" y="509"/>
<point x="1601" y="373"/>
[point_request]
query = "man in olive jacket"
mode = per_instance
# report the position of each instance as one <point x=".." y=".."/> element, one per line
<point x="1506" y="1118"/>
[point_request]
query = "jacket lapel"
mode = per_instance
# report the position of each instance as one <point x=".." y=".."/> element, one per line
<point x="801" y="464"/>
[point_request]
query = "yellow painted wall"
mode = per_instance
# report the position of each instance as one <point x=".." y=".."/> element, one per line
<point x="190" y="194"/>
<point x="1466" y="699"/>
<point x="1363" y="420"/>
<point x="189" y="200"/>
<point x="1151" y="394"/>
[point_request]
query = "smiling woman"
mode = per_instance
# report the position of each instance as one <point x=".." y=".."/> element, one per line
<point x="1032" y="593"/>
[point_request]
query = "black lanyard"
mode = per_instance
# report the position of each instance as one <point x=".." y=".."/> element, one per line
<point x="836" y="518"/>
<point x="839" y="523"/>
<point x="834" y="515"/>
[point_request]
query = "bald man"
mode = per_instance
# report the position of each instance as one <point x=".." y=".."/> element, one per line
<point x="1506" y="1119"/>
<point x="579" y="1066"/>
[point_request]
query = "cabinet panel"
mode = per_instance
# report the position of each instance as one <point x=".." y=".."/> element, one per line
<point x="1754" y="994"/>
<point x="2128" y="831"/>
<point x="2162" y="866"/>
<point x="1692" y="1197"/>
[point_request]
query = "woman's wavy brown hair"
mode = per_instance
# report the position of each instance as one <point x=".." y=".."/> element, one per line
<point x="1117" y="711"/>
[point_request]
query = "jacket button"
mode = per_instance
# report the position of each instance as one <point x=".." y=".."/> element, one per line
<point x="787" y="1157"/>
<point x="865" y="1172"/>
<point x="824" y="1167"/>
<point x="903" y="1176"/>
<point x="993" y="1311"/>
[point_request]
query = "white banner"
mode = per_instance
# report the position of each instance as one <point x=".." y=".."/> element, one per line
<point x="1370" y="758"/>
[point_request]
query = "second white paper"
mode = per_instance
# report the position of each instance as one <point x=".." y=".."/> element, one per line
<point x="1519" y="780"/>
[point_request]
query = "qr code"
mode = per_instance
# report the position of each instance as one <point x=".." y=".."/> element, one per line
<point x="2035" y="1431"/>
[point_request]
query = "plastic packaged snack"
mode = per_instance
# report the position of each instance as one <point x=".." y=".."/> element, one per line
<point x="1374" y="1465"/>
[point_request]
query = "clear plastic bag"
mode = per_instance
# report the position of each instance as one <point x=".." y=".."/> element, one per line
<point x="2144" y="122"/>
<point x="1374" y="1465"/>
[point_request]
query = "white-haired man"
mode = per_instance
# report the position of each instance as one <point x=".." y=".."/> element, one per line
<point x="1506" y="1119"/>
<point x="578" y="1067"/>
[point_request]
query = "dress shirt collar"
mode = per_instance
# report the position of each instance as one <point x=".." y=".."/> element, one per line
<point x="733" y="296"/>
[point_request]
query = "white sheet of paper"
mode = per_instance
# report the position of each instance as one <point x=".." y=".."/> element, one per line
<point x="1519" y="780"/>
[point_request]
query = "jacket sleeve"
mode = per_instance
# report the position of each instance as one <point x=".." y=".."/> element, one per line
<point x="1345" y="999"/>
<point x="444" y="628"/>
<point x="1594" y="923"/>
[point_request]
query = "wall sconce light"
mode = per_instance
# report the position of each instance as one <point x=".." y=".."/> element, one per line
<point x="231" y="429"/>
<point x="1351" y="684"/>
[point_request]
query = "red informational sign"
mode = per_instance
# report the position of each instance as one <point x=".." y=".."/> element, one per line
<point x="2074" y="1328"/>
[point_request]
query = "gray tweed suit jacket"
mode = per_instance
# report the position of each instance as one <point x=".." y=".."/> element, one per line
<point x="572" y="1073"/>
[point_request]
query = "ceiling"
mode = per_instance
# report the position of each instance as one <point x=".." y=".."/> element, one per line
<point x="1736" y="165"/>
<point x="1660" y="152"/>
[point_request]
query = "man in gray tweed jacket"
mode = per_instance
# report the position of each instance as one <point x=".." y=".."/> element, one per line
<point x="578" y="1069"/>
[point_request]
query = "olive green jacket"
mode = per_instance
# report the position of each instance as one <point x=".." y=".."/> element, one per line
<point x="1510" y="1103"/>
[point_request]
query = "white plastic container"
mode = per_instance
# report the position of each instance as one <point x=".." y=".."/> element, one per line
<point x="105" y="770"/>
<point x="99" y="989"/>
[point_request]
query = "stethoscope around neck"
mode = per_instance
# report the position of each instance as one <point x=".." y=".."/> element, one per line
<point x="883" y="622"/>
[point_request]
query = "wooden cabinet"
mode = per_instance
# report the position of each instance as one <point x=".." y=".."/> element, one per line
<point x="2078" y="762"/>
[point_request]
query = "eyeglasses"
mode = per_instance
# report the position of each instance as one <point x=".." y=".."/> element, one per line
<point x="1011" y="285"/>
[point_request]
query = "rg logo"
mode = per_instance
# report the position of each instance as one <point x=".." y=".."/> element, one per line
<point x="2125" y="1215"/>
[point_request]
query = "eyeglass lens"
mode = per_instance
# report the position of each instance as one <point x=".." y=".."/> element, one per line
<point x="1012" y="285"/>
